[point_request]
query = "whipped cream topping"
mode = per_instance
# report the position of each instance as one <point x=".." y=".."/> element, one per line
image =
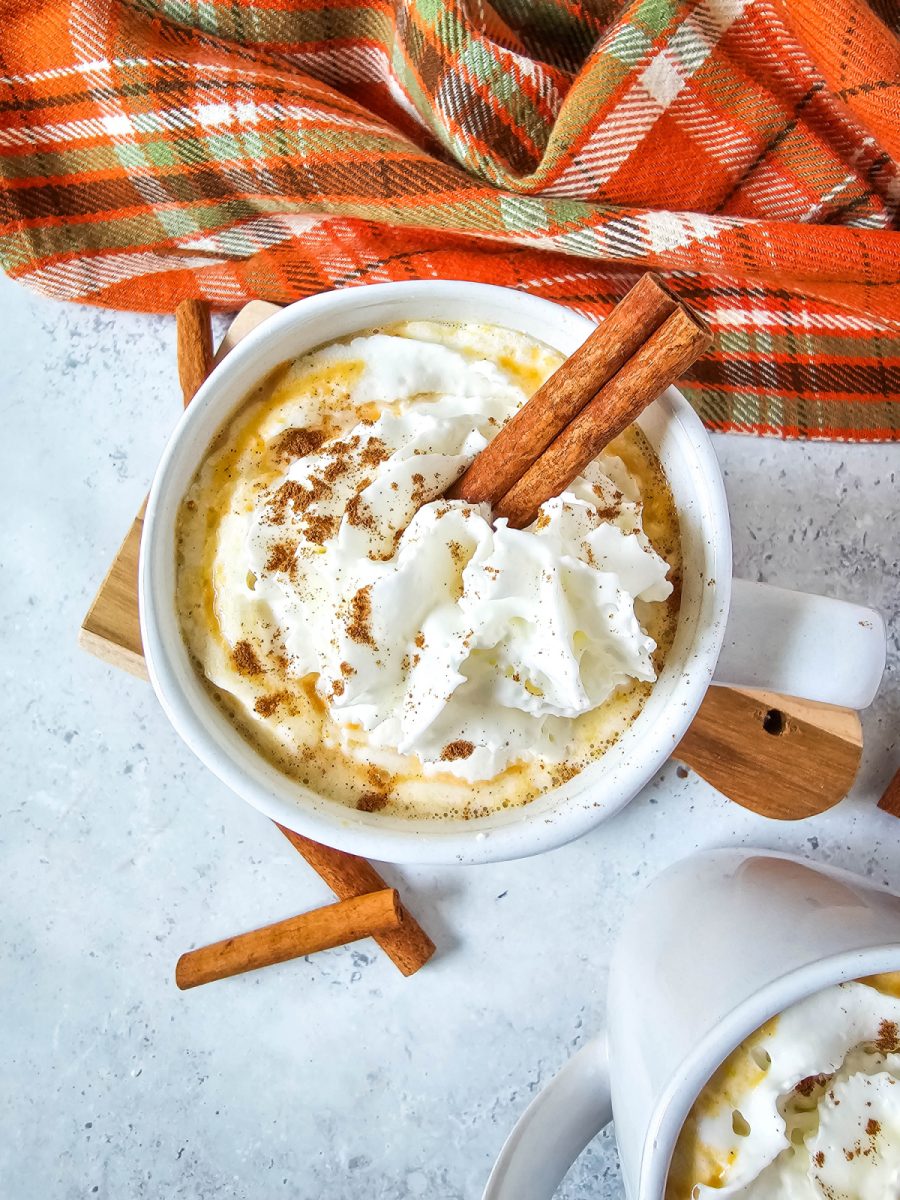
<point x="808" y="1108"/>
<point x="430" y="631"/>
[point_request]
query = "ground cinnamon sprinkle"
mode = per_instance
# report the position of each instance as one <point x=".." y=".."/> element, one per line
<point x="609" y="512"/>
<point x="281" y="660"/>
<point x="346" y="669"/>
<point x="341" y="461"/>
<point x="423" y="492"/>
<point x="420" y="640"/>
<point x="563" y="772"/>
<point x="281" y="556"/>
<point x="358" y="513"/>
<point x="299" y="498"/>
<point x="266" y="705"/>
<point x="335" y="469"/>
<point x="819" y="1158"/>
<point x="888" y="1039"/>
<point x="358" y="627"/>
<point x="873" y="1127"/>
<point x="807" y="1086"/>
<point x="245" y="660"/>
<point x="319" y="527"/>
<point x="457" y="749"/>
<point x="375" y="453"/>
<point x="337" y="688"/>
<point x="297" y="443"/>
<point x="379" y="778"/>
<point x="371" y="802"/>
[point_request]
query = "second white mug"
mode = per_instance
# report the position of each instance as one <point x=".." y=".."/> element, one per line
<point x="713" y="948"/>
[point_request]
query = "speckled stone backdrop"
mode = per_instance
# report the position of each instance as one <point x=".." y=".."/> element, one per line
<point x="332" y="1077"/>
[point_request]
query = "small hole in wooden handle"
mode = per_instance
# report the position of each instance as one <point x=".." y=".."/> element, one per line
<point x="773" y="722"/>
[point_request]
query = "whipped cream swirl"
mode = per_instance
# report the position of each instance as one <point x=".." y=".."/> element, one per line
<point x="808" y="1108"/>
<point x="430" y="631"/>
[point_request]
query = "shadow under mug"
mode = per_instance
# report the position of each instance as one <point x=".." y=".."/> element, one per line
<point x="714" y="947"/>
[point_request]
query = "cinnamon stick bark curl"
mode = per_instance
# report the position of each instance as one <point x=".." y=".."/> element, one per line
<point x="527" y="434"/>
<point x="660" y="361"/>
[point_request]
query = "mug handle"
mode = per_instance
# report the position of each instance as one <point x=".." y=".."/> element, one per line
<point x="802" y="645"/>
<point x="555" y="1128"/>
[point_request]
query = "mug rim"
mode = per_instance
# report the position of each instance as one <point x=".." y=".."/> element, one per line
<point x="533" y="827"/>
<point x="769" y="1001"/>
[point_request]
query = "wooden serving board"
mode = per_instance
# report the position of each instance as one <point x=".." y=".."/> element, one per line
<point x="780" y="757"/>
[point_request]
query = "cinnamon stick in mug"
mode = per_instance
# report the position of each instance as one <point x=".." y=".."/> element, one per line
<point x="681" y="339"/>
<point x="321" y="929"/>
<point x="562" y="397"/>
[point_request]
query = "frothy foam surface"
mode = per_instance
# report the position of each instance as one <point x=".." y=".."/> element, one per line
<point x="808" y="1108"/>
<point x="379" y="638"/>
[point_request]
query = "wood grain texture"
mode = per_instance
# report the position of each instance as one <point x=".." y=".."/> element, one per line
<point x="890" y="801"/>
<point x="408" y="947"/>
<point x="783" y="758"/>
<point x="728" y="727"/>
<point x="322" y="929"/>
<point x="245" y="322"/>
<point x="111" y="630"/>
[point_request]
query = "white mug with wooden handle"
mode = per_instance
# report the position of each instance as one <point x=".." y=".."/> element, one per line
<point x="820" y="649"/>
<point x="714" y="947"/>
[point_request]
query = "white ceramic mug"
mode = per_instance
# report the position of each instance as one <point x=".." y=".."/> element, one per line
<point x="772" y="639"/>
<point x="714" y="947"/>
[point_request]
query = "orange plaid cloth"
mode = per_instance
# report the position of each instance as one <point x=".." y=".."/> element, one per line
<point x="231" y="149"/>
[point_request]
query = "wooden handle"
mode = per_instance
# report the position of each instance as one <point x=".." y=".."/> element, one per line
<point x="558" y="401"/>
<point x="782" y="758"/>
<point x="193" y="334"/>
<point x="680" y="340"/>
<point x="321" y="929"/>
<point x="890" y="801"/>
<point x="409" y="947"/>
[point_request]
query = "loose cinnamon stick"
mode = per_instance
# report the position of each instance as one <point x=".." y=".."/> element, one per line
<point x="527" y="434"/>
<point x="890" y="801"/>
<point x="681" y="339"/>
<point x="321" y="929"/>
<point x="193" y="332"/>
<point x="408" y="947"/>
